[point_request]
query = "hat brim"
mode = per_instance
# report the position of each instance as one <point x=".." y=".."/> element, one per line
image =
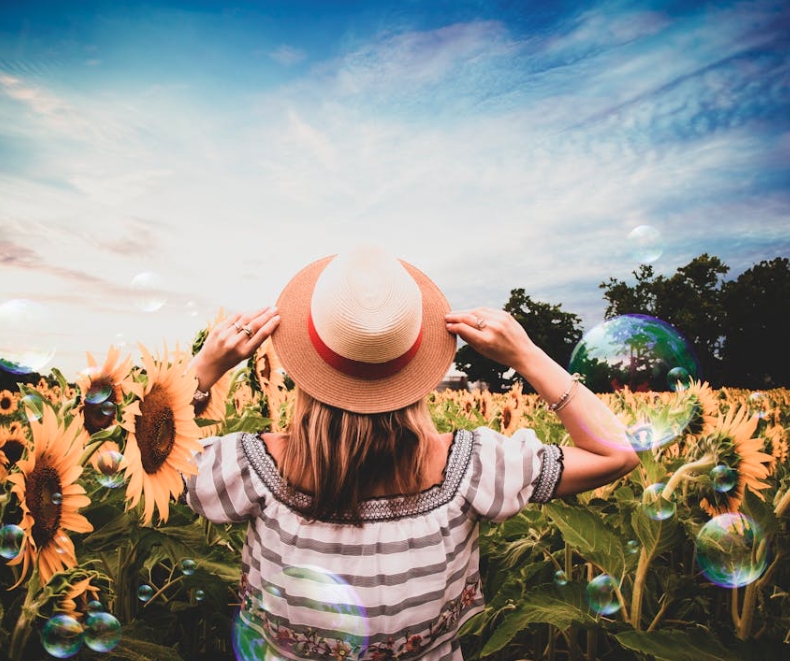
<point x="303" y="364"/>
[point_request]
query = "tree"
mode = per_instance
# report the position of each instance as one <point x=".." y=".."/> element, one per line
<point x="557" y="332"/>
<point x="755" y="349"/>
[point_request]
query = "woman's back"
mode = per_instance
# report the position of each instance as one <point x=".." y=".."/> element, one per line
<point x="397" y="582"/>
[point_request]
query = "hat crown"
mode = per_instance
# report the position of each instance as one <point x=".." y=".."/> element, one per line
<point x="366" y="306"/>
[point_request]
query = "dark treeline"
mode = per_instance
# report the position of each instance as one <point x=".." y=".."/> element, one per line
<point x="739" y="329"/>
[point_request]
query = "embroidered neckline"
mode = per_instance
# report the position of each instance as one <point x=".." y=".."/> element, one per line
<point x="384" y="508"/>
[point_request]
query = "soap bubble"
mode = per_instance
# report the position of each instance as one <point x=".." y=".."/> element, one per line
<point x="645" y="244"/>
<point x="108" y="467"/>
<point x="102" y="632"/>
<point x="632" y="546"/>
<point x="26" y="337"/>
<point x="723" y="478"/>
<point x="678" y="379"/>
<point x="655" y="505"/>
<point x="188" y="566"/>
<point x="200" y="595"/>
<point x="11" y="536"/>
<point x="731" y="550"/>
<point x="94" y="606"/>
<point x="33" y="405"/>
<point x="325" y="601"/>
<point x="634" y="351"/>
<point x="560" y="578"/>
<point x="640" y="353"/>
<point x="759" y="404"/>
<point x="100" y="387"/>
<point x="62" y="636"/>
<point x="145" y="592"/>
<point x="192" y="308"/>
<point x="149" y="293"/>
<point x="602" y="595"/>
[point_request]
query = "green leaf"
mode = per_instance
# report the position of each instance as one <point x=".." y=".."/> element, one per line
<point x="655" y="537"/>
<point x="587" y="533"/>
<point x="560" y="607"/>
<point x="676" y="645"/>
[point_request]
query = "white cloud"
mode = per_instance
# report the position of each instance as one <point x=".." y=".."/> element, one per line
<point x="288" y="55"/>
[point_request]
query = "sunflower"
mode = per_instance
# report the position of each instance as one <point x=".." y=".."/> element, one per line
<point x="13" y="444"/>
<point x="733" y="444"/>
<point x="512" y="410"/>
<point x="103" y="389"/>
<point x="8" y="402"/>
<point x="702" y="408"/>
<point x="270" y="380"/>
<point x="163" y="434"/>
<point x="81" y="591"/>
<point x="49" y="496"/>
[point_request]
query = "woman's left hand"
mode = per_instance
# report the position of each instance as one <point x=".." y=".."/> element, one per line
<point x="231" y="341"/>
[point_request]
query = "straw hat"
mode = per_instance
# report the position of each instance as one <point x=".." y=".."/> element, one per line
<point x="363" y="331"/>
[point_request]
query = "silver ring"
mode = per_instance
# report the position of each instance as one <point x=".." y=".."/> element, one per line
<point x="247" y="330"/>
<point x="481" y="323"/>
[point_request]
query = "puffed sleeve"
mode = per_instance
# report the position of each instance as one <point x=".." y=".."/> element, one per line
<point x="506" y="473"/>
<point x="225" y="488"/>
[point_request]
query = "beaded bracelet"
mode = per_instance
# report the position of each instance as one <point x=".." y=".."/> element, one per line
<point x="566" y="397"/>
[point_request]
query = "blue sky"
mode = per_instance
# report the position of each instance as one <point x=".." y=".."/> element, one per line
<point x="221" y="146"/>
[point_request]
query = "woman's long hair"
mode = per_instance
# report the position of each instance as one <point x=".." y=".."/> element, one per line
<point x="341" y="458"/>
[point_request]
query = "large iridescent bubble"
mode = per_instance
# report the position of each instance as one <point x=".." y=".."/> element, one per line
<point x="26" y="339"/>
<point x="732" y="550"/>
<point x="642" y="354"/>
<point x="324" y="601"/>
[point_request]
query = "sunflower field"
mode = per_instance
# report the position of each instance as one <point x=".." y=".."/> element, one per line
<point x="684" y="558"/>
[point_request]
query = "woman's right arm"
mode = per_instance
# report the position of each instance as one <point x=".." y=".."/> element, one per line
<point x="601" y="452"/>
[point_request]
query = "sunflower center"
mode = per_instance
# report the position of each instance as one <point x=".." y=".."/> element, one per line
<point x="6" y="403"/>
<point x="155" y="429"/>
<point x="13" y="451"/>
<point x="43" y="494"/>
<point x="98" y="410"/>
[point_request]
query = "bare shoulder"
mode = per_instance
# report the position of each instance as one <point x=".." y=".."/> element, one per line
<point x="275" y="444"/>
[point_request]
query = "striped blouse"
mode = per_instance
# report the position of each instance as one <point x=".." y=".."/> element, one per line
<point x="399" y="585"/>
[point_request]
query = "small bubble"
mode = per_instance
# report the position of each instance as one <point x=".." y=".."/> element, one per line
<point x="632" y="546"/>
<point x="11" y="536"/>
<point x="192" y="308"/>
<point x="148" y="289"/>
<point x="723" y="478"/>
<point x="731" y="550"/>
<point x="145" y="592"/>
<point x="602" y="595"/>
<point x="102" y="632"/>
<point x="200" y="595"/>
<point x="108" y="466"/>
<point x="678" y="379"/>
<point x="645" y="244"/>
<point x="560" y="578"/>
<point x="57" y="498"/>
<point x="655" y="505"/>
<point x="188" y="566"/>
<point x="62" y="636"/>
<point x="62" y="543"/>
<point x="94" y="606"/>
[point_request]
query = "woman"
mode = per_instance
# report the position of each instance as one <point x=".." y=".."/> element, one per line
<point x="362" y="538"/>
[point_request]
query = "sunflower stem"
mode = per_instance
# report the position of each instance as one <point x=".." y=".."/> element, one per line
<point x="639" y="584"/>
<point x="162" y="589"/>
<point x="705" y="463"/>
